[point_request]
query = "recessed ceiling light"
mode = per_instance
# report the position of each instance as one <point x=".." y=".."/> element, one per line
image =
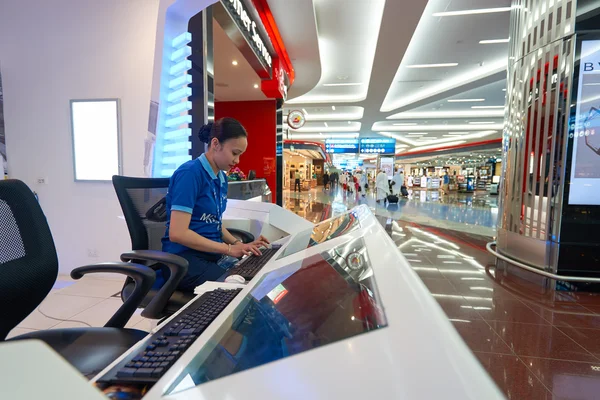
<point x="442" y="65"/>
<point x="349" y="122"/>
<point x="446" y="114"/>
<point x="343" y="84"/>
<point x="234" y="62"/>
<point x="493" y="41"/>
<point x="256" y="86"/>
<point x="465" y="100"/>
<point x="326" y="124"/>
<point x="333" y="108"/>
<point x="405" y="124"/>
<point x="486" y="107"/>
<point x="482" y="122"/>
<point x="504" y="90"/>
<point x="471" y="12"/>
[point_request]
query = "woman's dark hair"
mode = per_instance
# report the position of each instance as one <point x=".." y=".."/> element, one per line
<point x="224" y="129"/>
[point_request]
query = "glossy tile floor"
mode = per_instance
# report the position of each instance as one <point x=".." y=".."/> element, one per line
<point x="535" y="342"/>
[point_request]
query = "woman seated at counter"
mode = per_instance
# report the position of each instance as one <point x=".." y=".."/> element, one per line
<point x="196" y="200"/>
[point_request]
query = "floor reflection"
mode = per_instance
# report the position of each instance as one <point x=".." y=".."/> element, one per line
<point x="534" y="341"/>
<point x="475" y="213"/>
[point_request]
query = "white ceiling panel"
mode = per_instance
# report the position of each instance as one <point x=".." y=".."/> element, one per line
<point x="233" y="82"/>
<point x="450" y="39"/>
<point x="347" y="34"/>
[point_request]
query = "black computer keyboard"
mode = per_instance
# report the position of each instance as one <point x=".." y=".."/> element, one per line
<point x="171" y="341"/>
<point x="249" y="266"/>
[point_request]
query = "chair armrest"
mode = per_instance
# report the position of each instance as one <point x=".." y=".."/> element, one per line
<point x="142" y="276"/>
<point x="178" y="266"/>
<point x="245" y="236"/>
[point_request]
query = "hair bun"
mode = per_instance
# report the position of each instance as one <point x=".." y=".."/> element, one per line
<point x="205" y="132"/>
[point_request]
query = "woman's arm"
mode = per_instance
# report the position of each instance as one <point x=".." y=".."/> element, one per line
<point x="180" y="232"/>
<point x="228" y="237"/>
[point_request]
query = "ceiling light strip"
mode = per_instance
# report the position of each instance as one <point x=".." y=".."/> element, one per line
<point x="471" y="12"/>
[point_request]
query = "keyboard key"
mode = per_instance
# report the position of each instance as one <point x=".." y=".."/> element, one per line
<point x="158" y="372"/>
<point x="126" y="372"/>
<point x="143" y="373"/>
<point x="147" y="365"/>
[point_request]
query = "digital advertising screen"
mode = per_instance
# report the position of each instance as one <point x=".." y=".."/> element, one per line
<point x="585" y="131"/>
<point x="339" y="146"/>
<point x="378" y="146"/>
<point x="387" y="164"/>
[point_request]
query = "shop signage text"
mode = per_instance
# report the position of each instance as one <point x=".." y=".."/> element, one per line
<point x="238" y="8"/>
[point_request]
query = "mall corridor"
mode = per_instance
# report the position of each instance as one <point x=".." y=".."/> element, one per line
<point x="300" y="199"/>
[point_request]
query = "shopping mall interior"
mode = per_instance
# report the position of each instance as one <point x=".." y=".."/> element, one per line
<point x="198" y="192"/>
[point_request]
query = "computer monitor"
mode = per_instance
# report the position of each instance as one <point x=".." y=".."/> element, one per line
<point x="322" y="232"/>
<point x="302" y="306"/>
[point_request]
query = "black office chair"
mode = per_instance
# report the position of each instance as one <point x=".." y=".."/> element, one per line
<point x="28" y="270"/>
<point x="144" y="207"/>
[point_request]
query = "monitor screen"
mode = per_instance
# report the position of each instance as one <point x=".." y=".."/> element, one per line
<point x="320" y="300"/>
<point x="321" y="232"/>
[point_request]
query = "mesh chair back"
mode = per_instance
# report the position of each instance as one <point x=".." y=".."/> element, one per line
<point x="142" y="202"/>
<point x="28" y="260"/>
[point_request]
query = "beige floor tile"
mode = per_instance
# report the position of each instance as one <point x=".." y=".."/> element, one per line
<point x="19" y="331"/>
<point x="70" y="324"/>
<point x="90" y="287"/>
<point x="60" y="306"/>
<point x="35" y="320"/>
<point x="146" y="324"/>
<point x="99" y="314"/>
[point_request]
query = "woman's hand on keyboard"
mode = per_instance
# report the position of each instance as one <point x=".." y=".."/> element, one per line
<point x="241" y="249"/>
<point x="261" y="242"/>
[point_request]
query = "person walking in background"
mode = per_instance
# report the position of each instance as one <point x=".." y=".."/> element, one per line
<point x="325" y="180"/>
<point x="334" y="179"/>
<point x="297" y="177"/>
<point x="364" y="184"/>
<point x="397" y="182"/>
<point x="382" y="185"/>
<point x="446" y="184"/>
<point x="344" y="181"/>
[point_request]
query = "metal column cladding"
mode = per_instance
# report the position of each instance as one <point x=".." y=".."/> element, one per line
<point x="539" y="84"/>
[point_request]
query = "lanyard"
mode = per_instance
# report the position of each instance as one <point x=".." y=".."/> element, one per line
<point x="217" y="199"/>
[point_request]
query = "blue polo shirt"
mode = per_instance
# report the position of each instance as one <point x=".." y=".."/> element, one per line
<point x="195" y="189"/>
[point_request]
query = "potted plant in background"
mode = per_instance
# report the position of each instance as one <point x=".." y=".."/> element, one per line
<point x="236" y="174"/>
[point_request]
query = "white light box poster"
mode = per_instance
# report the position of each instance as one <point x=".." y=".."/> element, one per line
<point x="387" y="165"/>
<point x="96" y="139"/>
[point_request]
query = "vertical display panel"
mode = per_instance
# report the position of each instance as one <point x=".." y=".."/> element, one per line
<point x="585" y="130"/>
<point x="96" y="139"/>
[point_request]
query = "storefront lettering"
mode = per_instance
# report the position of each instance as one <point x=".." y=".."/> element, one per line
<point x="250" y="26"/>
<point x="588" y="66"/>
